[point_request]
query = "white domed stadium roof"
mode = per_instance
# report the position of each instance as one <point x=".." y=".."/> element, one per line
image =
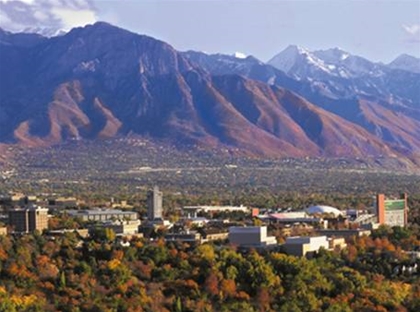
<point x="319" y="209"/>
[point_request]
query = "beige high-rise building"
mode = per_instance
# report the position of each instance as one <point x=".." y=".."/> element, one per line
<point x="154" y="204"/>
<point x="28" y="219"/>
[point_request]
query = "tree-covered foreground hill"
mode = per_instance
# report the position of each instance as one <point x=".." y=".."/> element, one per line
<point x="38" y="274"/>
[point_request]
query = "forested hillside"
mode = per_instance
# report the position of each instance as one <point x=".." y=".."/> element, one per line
<point x="38" y="274"/>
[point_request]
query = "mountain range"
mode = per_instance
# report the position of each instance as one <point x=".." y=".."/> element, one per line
<point x="101" y="81"/>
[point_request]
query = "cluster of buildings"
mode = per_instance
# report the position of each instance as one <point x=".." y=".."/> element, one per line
<point x="24" y="214"/>
<point x="330" y="226"/>
<point x="256" y="237"/>
<point x="51" y="202"/>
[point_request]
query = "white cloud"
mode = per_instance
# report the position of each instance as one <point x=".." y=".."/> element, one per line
<point x="6" y="22"/>
<point x="24" y="1"/>
<point x="412" y="30"/>
<point x="41" y="16"/>
<point x="50" y="15"/>
<point x="69" y="19"/>
<point x="412" y="34"/>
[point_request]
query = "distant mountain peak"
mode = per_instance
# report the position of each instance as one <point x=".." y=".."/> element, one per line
<point x="407" y="56"/>
<point x="406" y="62"/>
<point x="296" y="48"/>
<point x="316" y="65"/>
<point x="295" y="56"/>
<point x="99" y="26"/>
<point x="286" y="59"/>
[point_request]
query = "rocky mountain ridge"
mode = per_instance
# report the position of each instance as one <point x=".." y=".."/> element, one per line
<point x="101" y="81"/>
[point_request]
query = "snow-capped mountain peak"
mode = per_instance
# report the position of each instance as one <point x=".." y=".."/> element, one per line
<point x="296" y="49"/>
<point x="295" y="56"/>
<point x="304" y="64"/>
<point x="286" y="59"/>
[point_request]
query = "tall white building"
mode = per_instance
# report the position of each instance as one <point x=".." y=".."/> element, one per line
<point x="154" y="204"/>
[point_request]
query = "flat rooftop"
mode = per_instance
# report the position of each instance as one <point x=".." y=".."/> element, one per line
<point x="99" y="211"/>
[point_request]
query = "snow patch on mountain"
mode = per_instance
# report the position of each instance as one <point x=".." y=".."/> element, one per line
<point x="295" y="57"/>
<point x="300" y="62"/>
<point x="344" y="56"/>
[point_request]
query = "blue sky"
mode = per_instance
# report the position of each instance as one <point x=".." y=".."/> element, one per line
<point x="377" y="30"/>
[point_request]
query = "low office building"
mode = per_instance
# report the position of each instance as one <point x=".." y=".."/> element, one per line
<point x="191" y="211"/>
<point x="214" y="235"/>
<point x="102" y="214"/>
<point x="17" y="199"/>
<point x="128" y="227"/>
<point x="199" y="221"/>
<point x="337" y="243"/>
<point x="63" y="202"/>
<point x="121" y="204"/>
<point x="82" y="233"/>
<point x="28" y="219"/>
<point x="196" y="237"/>
<point x="366" y="219"/>
<point x="302" y="246"/>
<point x="346" y="233"/>
<point x="185" y="237"/>
<point x="251" y="236"/>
